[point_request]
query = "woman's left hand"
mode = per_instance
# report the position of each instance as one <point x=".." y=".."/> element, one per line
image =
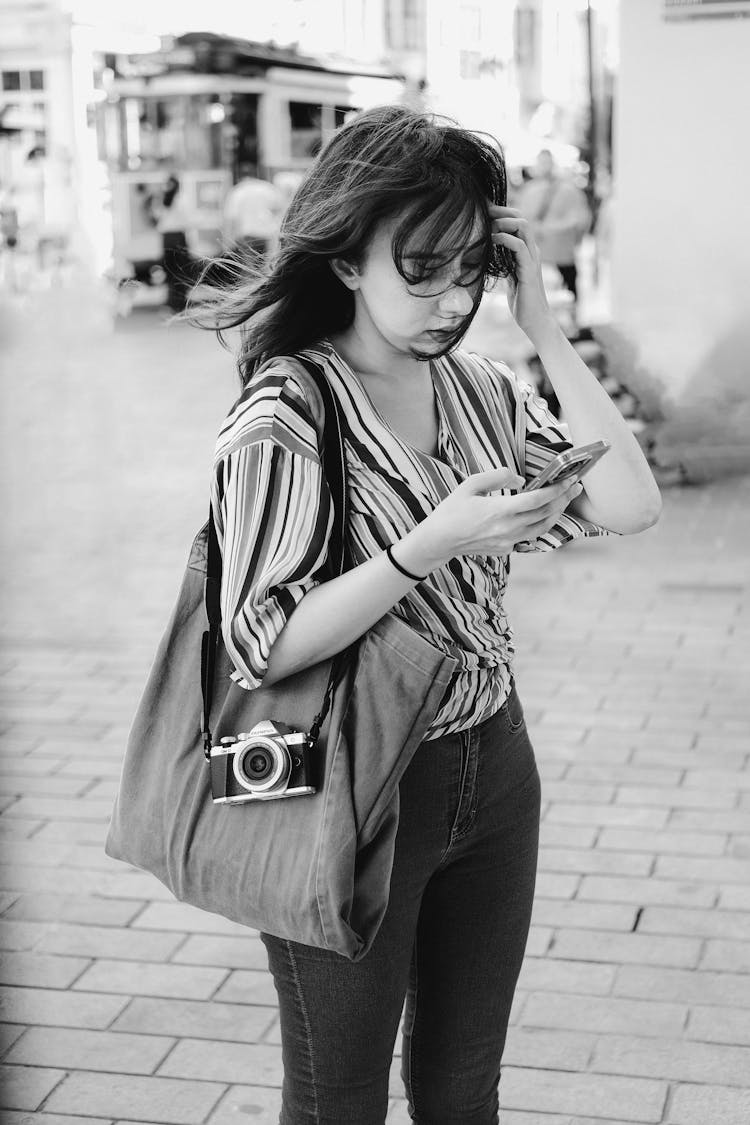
<point x="527" y="299"/>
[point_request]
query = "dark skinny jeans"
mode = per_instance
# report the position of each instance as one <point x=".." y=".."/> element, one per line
<point x="451" y="944"/>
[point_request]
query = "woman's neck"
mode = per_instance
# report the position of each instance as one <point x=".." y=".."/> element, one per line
<point x="370" y="354"/>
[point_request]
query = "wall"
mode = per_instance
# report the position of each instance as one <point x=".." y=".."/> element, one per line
<point x="681" y="252"/>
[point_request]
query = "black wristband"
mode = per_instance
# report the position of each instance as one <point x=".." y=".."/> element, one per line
<point x="398" y="566"/>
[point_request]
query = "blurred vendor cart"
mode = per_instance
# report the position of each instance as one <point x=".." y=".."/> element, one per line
<point x="208" y="109"/>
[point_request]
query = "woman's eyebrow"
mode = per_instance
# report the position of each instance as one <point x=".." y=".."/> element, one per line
<point x="432" y="255"/>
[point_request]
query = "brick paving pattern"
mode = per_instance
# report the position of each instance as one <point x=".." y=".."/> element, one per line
<point x="120" y="1005"/>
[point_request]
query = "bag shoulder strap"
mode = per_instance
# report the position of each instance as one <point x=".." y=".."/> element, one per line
<point x="334" y="468"/>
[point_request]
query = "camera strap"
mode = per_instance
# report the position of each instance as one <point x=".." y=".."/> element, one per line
<point x="334" y="468"/>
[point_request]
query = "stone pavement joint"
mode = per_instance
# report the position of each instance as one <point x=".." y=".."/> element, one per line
<point x="120" y="1005"/>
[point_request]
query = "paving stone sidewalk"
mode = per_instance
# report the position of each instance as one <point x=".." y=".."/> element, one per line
<point x="120" y="1005"/>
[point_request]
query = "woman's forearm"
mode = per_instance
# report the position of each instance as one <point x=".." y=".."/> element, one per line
<point x="620" y="490"/>
<point x="333" y="615"/>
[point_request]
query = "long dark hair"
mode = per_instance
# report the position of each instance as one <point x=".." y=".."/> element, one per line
<point x="387" y="162"/>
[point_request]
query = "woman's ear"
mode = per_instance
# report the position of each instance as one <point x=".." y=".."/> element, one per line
<point x="346" y="272"/>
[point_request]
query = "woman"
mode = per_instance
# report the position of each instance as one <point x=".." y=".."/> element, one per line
<point x="383" y="256"/>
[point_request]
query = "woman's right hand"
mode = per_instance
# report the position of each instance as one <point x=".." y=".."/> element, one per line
<point x="335" y="613"/>
<point x="471" y="521"/>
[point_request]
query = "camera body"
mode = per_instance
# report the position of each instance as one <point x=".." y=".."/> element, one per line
<point x="271" y="761"/>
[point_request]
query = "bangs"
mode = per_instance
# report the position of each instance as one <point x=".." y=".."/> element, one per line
<point x="450" y="213"/>
<point x="436" y="231"/>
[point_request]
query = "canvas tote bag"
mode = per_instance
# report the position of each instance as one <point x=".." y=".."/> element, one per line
<point x="316" y="868"/>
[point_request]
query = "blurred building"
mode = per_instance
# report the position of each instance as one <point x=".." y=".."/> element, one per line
<point x="48" y="159"/>
<point x="36" y="120"/>
<point x="519" y="69"/>
<point x="565" y="67"/>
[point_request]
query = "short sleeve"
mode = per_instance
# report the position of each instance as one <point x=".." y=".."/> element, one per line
<point x="274" y="514"/>
<point x="542" y="437"/>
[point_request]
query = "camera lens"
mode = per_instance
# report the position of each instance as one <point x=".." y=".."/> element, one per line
<point x="262" y="765"/>
<point x="258" y="764"/>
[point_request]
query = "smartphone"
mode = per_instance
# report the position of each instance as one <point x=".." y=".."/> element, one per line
<point x="572" y="463"/>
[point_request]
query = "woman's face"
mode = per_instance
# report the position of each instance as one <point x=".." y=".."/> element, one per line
<point x="422" y="315"/>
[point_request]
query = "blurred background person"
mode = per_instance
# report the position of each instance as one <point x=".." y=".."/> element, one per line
<point x="560" y="217"/>
<point x="253" y="210"/>
<point x="518" y="177"/>
<point x="8" y="238"/>
<point x="603" y="231"/>
<point x="174" y="224"/>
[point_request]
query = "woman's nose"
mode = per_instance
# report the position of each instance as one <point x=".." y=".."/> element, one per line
<point x="456" y="301"/>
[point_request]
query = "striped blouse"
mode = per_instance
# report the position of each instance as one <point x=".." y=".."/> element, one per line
<point x="273" y="510"/>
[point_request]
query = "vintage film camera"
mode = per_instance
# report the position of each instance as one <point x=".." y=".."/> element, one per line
<point x="271" y="761"/>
